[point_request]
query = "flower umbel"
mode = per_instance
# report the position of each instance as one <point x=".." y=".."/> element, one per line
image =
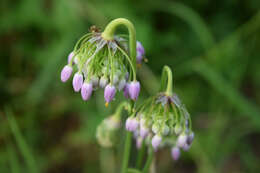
<point x="103" y="63"/>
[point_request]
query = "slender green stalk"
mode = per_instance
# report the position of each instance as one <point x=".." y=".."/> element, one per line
<point x="131" y="170"/>
<point x="167" y="76"/>
<point x="22" y="145"/>
<point x="127" y="150"/>
<point x="148" y="161"/>
<point x="140" y="156"/>
<point x="109" y="32"/>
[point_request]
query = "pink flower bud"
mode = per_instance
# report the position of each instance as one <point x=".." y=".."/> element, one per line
<point x="66" y="73"/>
<point x="134" y="90"/>
<point x="131" y="124"/>
<point x="175" y="153"/>
<point x="126" y="91"/>
<point x="156" y="141"/>
<point x="77" y="82"/>
<point x="70" y="57"/>
<point x="109" y="93"/>
<point x="182" y="140"/>
<point x="86" y="91"/>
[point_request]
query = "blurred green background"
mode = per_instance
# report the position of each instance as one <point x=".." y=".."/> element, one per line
<point x="213" y="47"/>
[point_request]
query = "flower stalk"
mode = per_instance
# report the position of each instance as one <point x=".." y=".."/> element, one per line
<point x="109" y="33"/>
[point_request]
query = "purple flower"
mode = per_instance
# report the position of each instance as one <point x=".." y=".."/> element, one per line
<point x="126" y="91"/>
<point x="70" y="57"/>
<point x="190" y="138"/>
<point x="109" y="93"/>
<point x="121" y="84"/>
<point x="186" y="147"/>
<point x="156" y="141"/>
<point x="143" y="131"/>
<point x="131" y="124"/>
<point x="134" y="90"/>
<point x="139" y="52"/>
<point x="77" y="82"/>
<point x="103" y="82"/>
<point x="66" y="73"/>
<point x="175" y="153"/>
<point x="182" y="140"/>
<point x="86" y="91"/>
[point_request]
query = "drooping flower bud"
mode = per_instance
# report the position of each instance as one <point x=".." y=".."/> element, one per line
<point x="186" y="147"/>
<point x="182" y="140"/>
<point x="143" y="131"/>
<point x="121" y="84"/>
<point x="66" y="73"/>
<point x="175" y="152"/>
<point x="134" y="89"/>
<point x="190" y="138"/>
<point x="156" y="140"/>
<point x="103" y="82"/>
<point x="86" y="91"/>
<point x="139" y="52"/>
<point x="109" y="93"/>
<point x="131" y="124"/>
<point x="126" y="90"/>
<point x="165" y="130"/>
<point x="155" y="128"/>
<point x="177" y="129"/>
<point x="95" y="81"/>
<point x="77" y="82"/>
<point x="70" y="57"/>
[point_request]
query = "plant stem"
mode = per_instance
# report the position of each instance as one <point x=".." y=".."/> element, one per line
<point x="167" y="72"/>
<point x="127" y="150"/>
<point x="148" y="161"/>
<point x="109" y="32"/>
<point x="140" y="156"/>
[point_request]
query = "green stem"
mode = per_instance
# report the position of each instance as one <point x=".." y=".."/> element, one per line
<point x="140" y="156"/>
<point x="167" y="75"/>
<point x="148" y="161"/>
<point x="131" y="170"/>
<point x="127" y="149"/>
<point x="119" y="109"/>
<point x="109" y="32"/>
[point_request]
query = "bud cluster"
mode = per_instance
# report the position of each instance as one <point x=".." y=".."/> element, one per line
<point x="162" y="120"/>
<point x="106" y="133"/>
<point x="101" y="63"/>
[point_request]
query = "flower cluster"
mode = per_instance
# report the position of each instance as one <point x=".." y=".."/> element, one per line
<point x="102" y="63"/>
<point x="162" y="120"/>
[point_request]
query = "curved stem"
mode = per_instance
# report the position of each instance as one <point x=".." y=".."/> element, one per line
<point x="127" y="149"/>
<point x="167" y="76"/>
<point x="109" y="32"/>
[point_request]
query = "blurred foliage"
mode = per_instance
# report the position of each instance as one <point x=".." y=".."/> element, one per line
<point x="212" y="46"/>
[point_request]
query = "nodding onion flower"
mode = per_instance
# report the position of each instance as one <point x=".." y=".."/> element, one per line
<point x="163" y="120"/>
<point x="103" y="63"/>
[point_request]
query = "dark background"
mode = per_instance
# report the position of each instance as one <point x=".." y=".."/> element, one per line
<point x="213" y="47"/>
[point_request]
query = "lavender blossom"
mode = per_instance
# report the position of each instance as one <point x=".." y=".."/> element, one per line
<point x="77" y="82"/>
<point x="156" y="141"/>
<point x="182" y="140"/>
<point x="175" y="153"/>
<point x="131" y="124"/>
<point x="139" y="52"/>
<point x="121" y="84"/>
<point x="66" y="73"/>
<point x="86" y="91"/>
<point x="70" y="57"/>
<point x="134" y="90"/>
<point x="103" y="82"/>
<point x="109" y="93"/>
<point x="143" y="131"/>
<point x="126" y="90"/>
